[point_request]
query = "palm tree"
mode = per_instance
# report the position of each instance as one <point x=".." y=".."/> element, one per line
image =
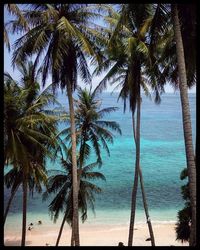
<point x="13" y="179"/>
<point x="188" y="12"/>
<point x="90" y="128"/>
<point x="162" y="26"/>
<point x="28" y="130"/>
<point x="132" y="66"/>
<point x="178" y="61"/>
<point x="186" y="120"/>
<point x="17" y="25"/>
<point x="144" y="196"/>
<point x="63" y="32"/>
<point x="60" y="183"/>
<point x="15" y="150"/>
<point x="90" y="125"/>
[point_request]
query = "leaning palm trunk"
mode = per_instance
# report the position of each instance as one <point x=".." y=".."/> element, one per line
<point x="9" y="203"/>
<point x="144" y="196"/>
<point x="61" y="229"/>
<point x="135" y="185"/>
<point x="186" y="121"/>
<point x="75" y="220"/>
<point x="24" y="186"/>
<point x="146" y="208"/>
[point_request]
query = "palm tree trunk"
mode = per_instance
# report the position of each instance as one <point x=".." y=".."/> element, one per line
<point x="187" y="128"/>
<point x="61" y="229"/>
<point x="72" y="237"/>
<point x="75" y="220"/>
<point x="82" y="149"/>
<point x="144" y="196"/>
<point x="24" y="186"/>
<point x="146" y="208"/>
<point x="9" y="203"/>
<point x="135" y="185"/>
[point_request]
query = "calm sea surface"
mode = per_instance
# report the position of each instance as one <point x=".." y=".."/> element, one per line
<point x="162" y="159"/>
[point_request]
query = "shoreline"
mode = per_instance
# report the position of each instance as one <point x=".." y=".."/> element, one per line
<point x="96" y="235"/>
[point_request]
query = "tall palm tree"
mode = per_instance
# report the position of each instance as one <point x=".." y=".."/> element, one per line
<point x="64" y="33"/>
<point x="60" y="183"/>
<point x="132" y="66"/>
<point x="178" y="61"/>
<point x="14" y="149"/>
<point x="182" y="46"/>
<point x="28" y="130"/>
<point x="187" y="128"/>
<point x="90" y="128"/>
<point x="145" y="204"/>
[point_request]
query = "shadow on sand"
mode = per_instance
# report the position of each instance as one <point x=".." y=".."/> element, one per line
<point x="15" y="242"/>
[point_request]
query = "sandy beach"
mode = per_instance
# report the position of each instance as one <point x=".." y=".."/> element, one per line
<point x="96" y="235"/>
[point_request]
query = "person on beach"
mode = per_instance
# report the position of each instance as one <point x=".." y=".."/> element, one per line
<point x="39" y="222"/>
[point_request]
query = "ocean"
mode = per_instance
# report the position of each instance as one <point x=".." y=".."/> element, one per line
<point x="162" y="160"/>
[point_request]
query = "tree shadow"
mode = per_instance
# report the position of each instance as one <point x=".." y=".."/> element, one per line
<point x="15" y="242"/>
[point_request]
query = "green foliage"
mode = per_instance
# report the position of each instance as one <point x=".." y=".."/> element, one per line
<point x="19" y="24"/>
<point x="29" y="130"/>
<point x="184" y="215"/>
<point x="37" y="177"/>
<point x="60" y="184"/>
<point x="63" y="36"/>
<point x="90" y="126"/>
<point x="138" y="48"/>
<point x="166" y="59"/>
<point x="130" y="57"/>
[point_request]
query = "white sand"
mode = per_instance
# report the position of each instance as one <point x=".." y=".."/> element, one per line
<point x="96" y="235"/>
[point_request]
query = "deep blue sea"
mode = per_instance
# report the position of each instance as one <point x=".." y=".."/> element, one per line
<point x="162" y="159"/>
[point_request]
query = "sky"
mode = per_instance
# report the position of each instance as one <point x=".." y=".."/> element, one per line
<point x="15" y="73"/>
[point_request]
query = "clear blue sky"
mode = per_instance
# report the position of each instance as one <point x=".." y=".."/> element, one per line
<point x="95" y="81"/>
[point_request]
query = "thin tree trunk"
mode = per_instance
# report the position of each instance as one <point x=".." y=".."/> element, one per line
<point x="9" y="203"/>
<point x="144" y="196"/>
<point x="135" y="185"/>
<point x="187" y="128"/>
<point x="61" y="229"/>
<point x="24" y="186"/>
<point x="75" y="223"/>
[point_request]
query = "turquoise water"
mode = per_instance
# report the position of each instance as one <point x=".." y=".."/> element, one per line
<point x="162" y="159"/>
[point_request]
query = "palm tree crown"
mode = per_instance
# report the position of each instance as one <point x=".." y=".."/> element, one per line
<point x="63" y="33"/>
<point x="90" y="125"/>
<point x="60" y="183"/>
